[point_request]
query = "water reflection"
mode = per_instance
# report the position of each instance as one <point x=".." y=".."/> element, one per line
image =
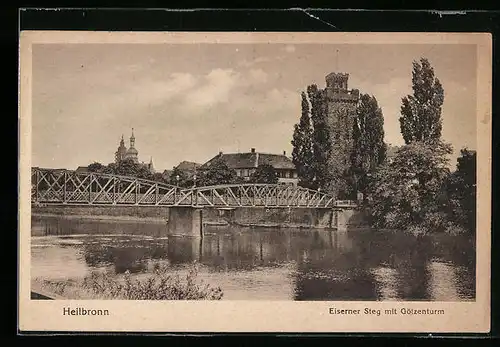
<point x="265" y="263"/>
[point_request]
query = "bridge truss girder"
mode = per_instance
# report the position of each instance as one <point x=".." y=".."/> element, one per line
<point x="70" y="187"/>
<point x="87" y="188"/>
<point x="259" y="195"/>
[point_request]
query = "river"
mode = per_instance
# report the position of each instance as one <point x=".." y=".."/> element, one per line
<point x="265" y="263"/>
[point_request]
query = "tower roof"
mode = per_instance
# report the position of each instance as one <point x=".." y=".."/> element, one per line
<point x="132" y="150"/>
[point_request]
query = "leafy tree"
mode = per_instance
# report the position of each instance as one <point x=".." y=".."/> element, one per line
<point x="421" y="112"/>
<point x="264" y="173"/>
<point x="216" y="173"/>
<point x="110" y="168"/>
<point x="321" y="136"/>
<point x="461" y="190"/>
<point x="180" y="178"/>
<point x="407" y="192"/>
<point x="127" y="167"/>
<point x="158" y="177"/>
<point x="302" y="154"/>
<point x="144" y="173"/>
<point x="369" y="148"/>
<point x="96" y="167"/>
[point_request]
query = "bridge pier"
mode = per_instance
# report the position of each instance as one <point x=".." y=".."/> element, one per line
<point x="348" y="217"/>
<point x="185" y="220"/>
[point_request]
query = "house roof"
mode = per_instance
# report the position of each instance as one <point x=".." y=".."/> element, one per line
<point x="82" y="168"/>
<point x="188" y="165"/>
<point x="254" y="159"/>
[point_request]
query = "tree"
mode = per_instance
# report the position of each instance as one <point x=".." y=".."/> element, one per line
<point x="179" y="177"/>
<point x="216" y="173"/>
<point x="407" y="193"/>
<point x="421" y="112"/>
<point x="110" y="169"/>
<point x="127" y="167"/>
<point x="302" y="154"/>
<point x="321" y="137"/>
<point x="144" y="173"/>
<point x="264" y="173"/>
<point x="96" y="167"/>
<point x="461" y="190"/>
<point x="158" y="177"/>
<point x="369" y="148"/>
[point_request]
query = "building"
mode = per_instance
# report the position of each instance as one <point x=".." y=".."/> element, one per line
<point x="245" y="164"/>
<point x="341" y="106"/>
<point x="82" y="169"/>
<point x="188" y="167"/>
<point x="122" y="153"/>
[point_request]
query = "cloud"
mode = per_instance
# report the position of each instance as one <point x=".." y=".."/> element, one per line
<point x="250" y="63"/>
<point x="290" y="48"/>
<point x="149" y="92"/>
<point x="258" y="75"/>
<point x="216" y="89"/>
<point x="258" y="60"/>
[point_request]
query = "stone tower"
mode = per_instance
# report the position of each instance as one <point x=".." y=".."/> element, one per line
<point x="341" y="111"/>
<point x="121" y="152"/>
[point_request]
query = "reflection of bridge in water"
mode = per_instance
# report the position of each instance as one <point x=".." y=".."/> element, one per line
<point x="51" y="186"/>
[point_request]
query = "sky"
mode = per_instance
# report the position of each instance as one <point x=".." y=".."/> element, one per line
<point x="190" y="101"/>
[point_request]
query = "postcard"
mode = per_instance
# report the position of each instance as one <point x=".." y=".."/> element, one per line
<point x="254" y="182"/>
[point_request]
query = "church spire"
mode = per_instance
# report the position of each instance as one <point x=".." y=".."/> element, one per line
<point x="151" y="165"/>
<point x="132" y="139"/>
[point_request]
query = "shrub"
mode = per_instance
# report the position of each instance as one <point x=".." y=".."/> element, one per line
<point x="160" y="285"/>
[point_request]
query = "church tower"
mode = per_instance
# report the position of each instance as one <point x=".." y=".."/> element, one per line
<point x="341" y="106"/>
<point x="132" y="153"/>
<point x="121" y="152"/>
<point x="151" y="166"/>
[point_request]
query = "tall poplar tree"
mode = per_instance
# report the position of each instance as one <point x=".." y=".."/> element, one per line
<point x="302" y="154"/>
<point x="321" y="136"/>
<point x="369" y="148"/>
<point x="421" y="112"/>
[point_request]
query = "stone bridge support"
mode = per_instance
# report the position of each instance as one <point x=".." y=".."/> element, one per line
<point x="185" y="220"/>
<point x="348" y="217"/>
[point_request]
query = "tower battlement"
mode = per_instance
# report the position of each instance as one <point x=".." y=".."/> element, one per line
<point x="337" y="80"/>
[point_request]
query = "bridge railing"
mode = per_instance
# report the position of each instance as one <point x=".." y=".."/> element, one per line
<point x="259" y="195"/>
<point x="346" y="203"/>
<point x="70" y="187"/>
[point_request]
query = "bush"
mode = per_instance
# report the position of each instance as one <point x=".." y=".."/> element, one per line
<point x="157" y="286"/>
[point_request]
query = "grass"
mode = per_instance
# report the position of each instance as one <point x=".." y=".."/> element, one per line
<point x="160" y="285"/>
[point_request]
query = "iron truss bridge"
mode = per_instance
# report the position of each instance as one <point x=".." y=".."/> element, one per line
<point x="50" y="186"/>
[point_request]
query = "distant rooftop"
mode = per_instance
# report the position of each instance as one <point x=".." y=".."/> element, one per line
<point x="188" y="165"/>
<point x="253" y="159"/>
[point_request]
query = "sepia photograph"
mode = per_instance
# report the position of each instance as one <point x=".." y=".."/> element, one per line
<point x="254" y="170"/>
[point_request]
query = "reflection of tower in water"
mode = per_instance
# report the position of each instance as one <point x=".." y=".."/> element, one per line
<point x="329" y="269"/>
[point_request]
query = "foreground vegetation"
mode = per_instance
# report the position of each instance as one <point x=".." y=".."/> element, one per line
<point x="160" y="285"/>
